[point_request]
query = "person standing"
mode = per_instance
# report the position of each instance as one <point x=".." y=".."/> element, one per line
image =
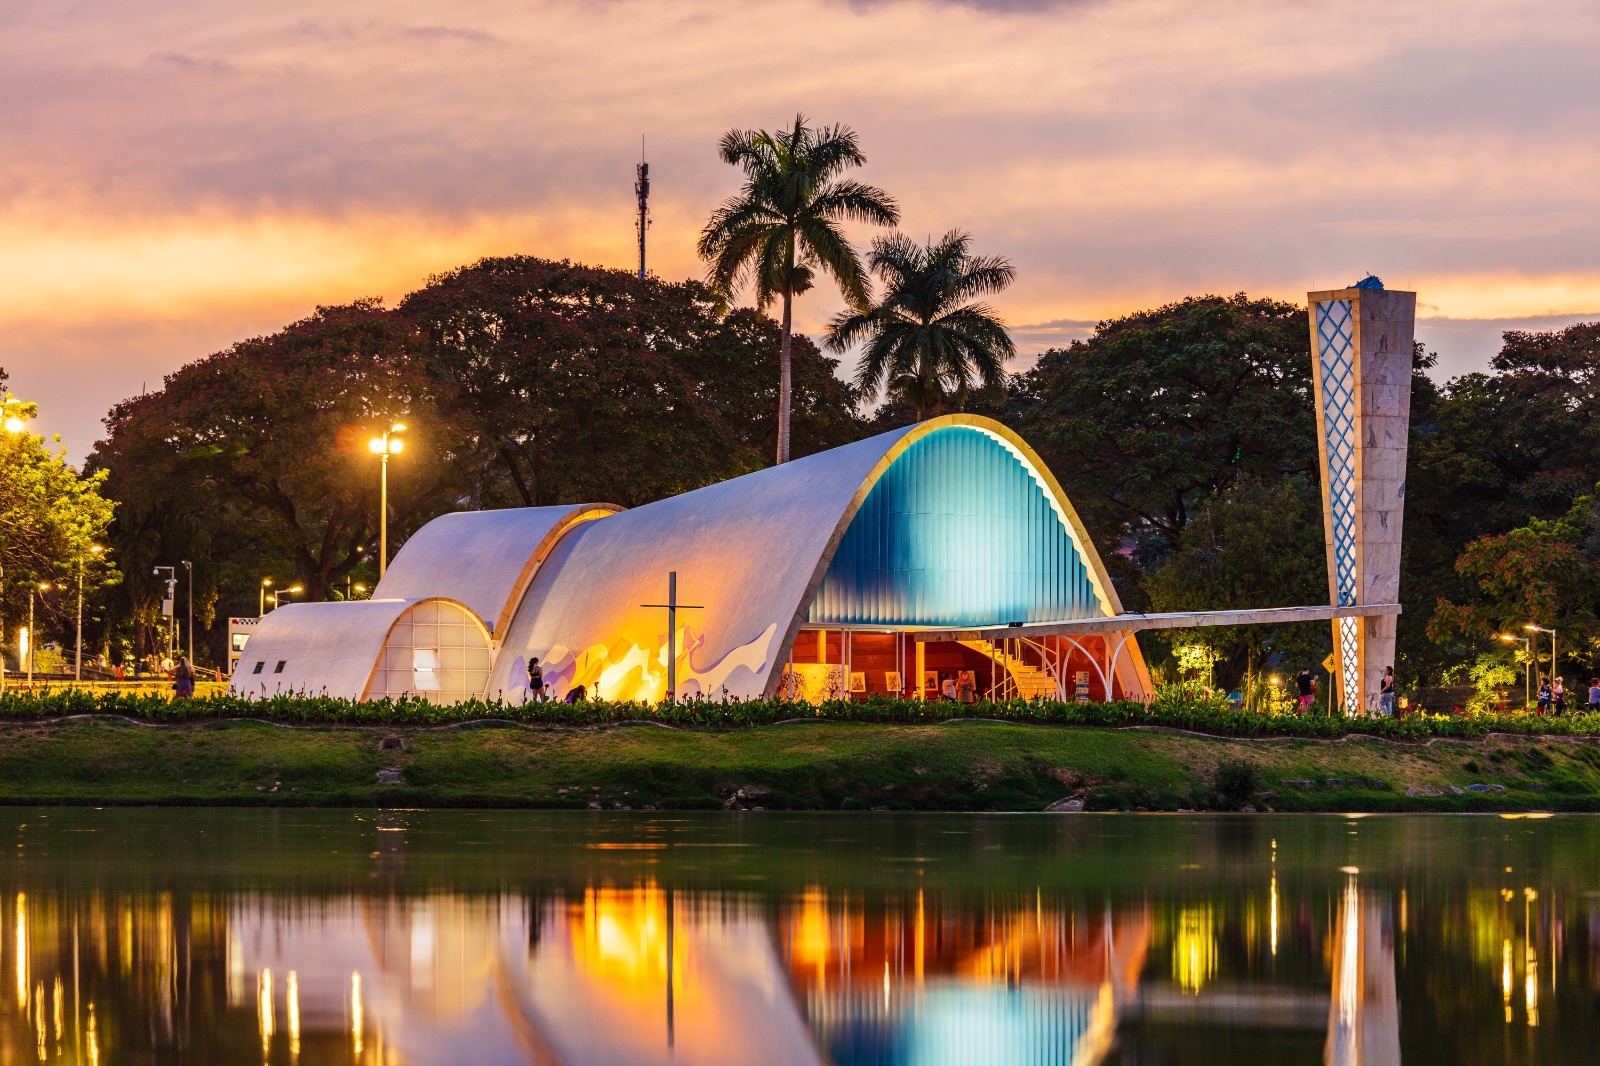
<point x="1594" y="695"/>
<point x="1544" y="695"/>
<point x="1386" y="692"/>
<point x="535" y="679"/>
<point x="1305" y="684"/>
<point x="948" y="688"/>
<point x="183" y="679"/>
<point x="1558" y="696"/>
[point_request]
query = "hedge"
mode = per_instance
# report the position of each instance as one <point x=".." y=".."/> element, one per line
<point x="1172" y="710"/>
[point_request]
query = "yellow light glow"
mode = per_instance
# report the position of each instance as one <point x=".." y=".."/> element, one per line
<point x="396" y="446"/>
<point x="94" y="1038"/>
<point x="1274" y="912"/>
<point x="1505" y="977"/>
<point x="1194" y="950"/>
<point x="264" y="1009"/>
<point x="294" y="1014"/>
<point x="355" y="1011"/>
<point x="15" y="424"/>
<point x="22" y="946"/>
<point x="376" y="445"/>
<point x="22" y="643"/>
<point x="398" y="427"/>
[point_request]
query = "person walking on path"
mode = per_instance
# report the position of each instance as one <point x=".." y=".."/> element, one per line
<point x="1594" y="695"/>
<point x="1386" y="692"/>
<point x="535" y="679"/>
<point x="1544" y="695"/>
<point x="1305" y="684"/>
<point x="1558" y="694"/>
<point x="183" y="679"/>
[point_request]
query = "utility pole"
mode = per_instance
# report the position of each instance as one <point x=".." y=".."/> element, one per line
<point x="189" y="566"/>
<point x="641" y="188"/>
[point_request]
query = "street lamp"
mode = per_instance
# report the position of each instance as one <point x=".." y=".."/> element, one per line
<point x="266" y="583"/>
<point x="13" y="424"/>
<point x="1530" y="627"/>
<point x="1527" y="667"/>
<point x="30" y="642"/>
<point x="169" y="605"/>
<point x="77" y="659"/>
<point x="284" y="592"/>
<point x="383" y="447"/>
<point x="189" y="566"/>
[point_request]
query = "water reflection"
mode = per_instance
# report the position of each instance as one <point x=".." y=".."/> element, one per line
<point x="340" y="938"/>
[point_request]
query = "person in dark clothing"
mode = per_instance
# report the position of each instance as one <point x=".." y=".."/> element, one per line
<point x="535" y="679"/>
<point x="183" y="679"/>
<point x="578" y="694"/>
<point x="1306" y="687"/>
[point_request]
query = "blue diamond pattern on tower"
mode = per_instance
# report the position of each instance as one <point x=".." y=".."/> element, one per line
<point x="1337" y="366"/>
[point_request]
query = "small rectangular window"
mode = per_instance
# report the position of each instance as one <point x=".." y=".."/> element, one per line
<point x="259" y="664"/>
<point x="279" y="668"/>
<point x="425" y="669"/>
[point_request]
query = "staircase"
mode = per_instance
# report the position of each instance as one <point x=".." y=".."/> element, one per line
<point x="1027" y="682"/>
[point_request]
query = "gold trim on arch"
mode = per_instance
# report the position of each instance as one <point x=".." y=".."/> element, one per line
<point x="1003" y="435"/>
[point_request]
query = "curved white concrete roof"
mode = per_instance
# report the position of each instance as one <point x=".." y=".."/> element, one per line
<point x="328" y="649"/>
<point x="752" y="551"/>
<point x="484" y="559"/>
<point x="333" y="649"/>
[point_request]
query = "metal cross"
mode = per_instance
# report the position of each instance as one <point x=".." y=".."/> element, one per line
<point x="673" y="607"/>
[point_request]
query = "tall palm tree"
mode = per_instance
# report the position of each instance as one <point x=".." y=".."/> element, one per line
<point x="926" y="338"/>
<point x="784" y="225"/>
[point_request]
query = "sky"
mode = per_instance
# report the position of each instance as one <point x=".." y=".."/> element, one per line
<point x="180" y="175"/>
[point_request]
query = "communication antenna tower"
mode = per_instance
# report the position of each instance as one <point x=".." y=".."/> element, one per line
<point x="641" y="188"/>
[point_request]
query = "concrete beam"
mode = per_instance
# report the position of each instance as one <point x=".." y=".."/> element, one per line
<point x="1123" y="623"/>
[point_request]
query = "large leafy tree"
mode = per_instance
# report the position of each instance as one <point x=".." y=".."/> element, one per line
<point x="1161" y="410"/>
<point x="50" y="517"/>
<point x="267" y="441"/>
<point x="929" y="337"/>
<point x="566" y="383"/>
<point x="786" y="224"/>
<point x="1253" y="544"/>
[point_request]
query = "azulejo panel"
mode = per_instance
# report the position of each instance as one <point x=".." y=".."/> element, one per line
<point x="1336" y="368"/>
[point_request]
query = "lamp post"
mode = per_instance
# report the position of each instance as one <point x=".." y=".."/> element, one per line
<point x="1530" y="627"/>
<point x="261" y="610"/>
<point x="189" y="566"/>
<point x="383" y="447"/>
<point x="32" y="642"/>
<point x="77" y="658"/>
<point x="284" y="592"/>
<point x="169" y="605"/>
<point x="1527" y="667"/>
<point x="13" y="425"/>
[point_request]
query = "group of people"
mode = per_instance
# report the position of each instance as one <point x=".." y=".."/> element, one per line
<point x="1553" y="695"/>
<point x="540" y="690"/>
<point x="958" y="689"/>
<point x="1306" y="688"/>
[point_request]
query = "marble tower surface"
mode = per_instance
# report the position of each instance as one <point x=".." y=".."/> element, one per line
<point x="1361" y="346"/>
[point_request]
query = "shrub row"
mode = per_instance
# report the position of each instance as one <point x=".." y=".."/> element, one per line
<point x="1200" y="714"/>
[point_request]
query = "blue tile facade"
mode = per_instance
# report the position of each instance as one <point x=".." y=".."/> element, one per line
<point x="957" y="532"/>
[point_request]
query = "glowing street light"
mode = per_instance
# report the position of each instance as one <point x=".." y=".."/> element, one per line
<point x="293" y="589"/>
<point x="261" y="610"/>
<point x="1530" y="627"/>
<point x="77" y="659"/>
<point x="13" y="424"/>
<point x="383" y="447"/>
<point x="28" y="641"/>
<point x="1527" y="667"/>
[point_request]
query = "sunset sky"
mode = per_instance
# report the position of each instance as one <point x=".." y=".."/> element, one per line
<point x="178" y="175"/>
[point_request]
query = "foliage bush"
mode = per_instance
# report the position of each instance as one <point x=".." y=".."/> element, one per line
<point x="1236" y="780"/>
<point x="1171" y="708"/>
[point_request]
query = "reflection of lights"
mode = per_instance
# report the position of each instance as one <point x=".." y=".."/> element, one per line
<point x="22" y="951"/>
<point x="811" y="941"/>
<point x="264" y="1008"/>
<point x="1505" y="977"/>
<point x="58" y="1010"/>
<point x="1349" y="960"/>
<point x="293" y="1006"/>
<point x="1274" y="912"/>
<point x="94" y="1038"/>
<point x="1530" y="980"/>
<point x="1194" y="952"/>
<point x="355" y="1011"/>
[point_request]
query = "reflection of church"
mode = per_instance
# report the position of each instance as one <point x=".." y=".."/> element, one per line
<point x="638" y="976"/>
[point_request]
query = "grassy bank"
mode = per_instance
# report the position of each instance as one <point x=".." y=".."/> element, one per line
<point x="822" y="765"/>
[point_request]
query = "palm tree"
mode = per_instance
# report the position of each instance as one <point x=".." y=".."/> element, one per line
<point x="926" y="339"/>
<point x="784" y="225"/>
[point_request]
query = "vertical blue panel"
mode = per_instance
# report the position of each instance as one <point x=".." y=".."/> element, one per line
<point x="955" y="533"/>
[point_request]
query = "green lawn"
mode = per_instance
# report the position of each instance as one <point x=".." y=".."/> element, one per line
<point x="971" y="766"/>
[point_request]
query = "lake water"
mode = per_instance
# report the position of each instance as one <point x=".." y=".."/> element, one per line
<point x="635" y="938"/>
